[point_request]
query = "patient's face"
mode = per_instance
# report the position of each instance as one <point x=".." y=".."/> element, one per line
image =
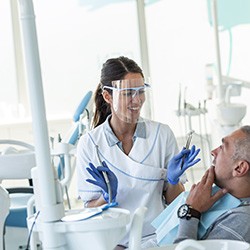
<point x="223" y="162"/>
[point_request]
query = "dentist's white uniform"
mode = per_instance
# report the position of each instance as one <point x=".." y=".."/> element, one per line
<point x="141" y="174"/>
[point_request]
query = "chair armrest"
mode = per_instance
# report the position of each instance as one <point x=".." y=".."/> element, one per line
<point x="20" y="190"/>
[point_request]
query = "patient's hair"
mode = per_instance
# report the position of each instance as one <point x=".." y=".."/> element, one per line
<point x="113" y="69"/>
<point x="242" y="146"/>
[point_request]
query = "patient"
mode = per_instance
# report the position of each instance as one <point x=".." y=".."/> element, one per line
<point x="213" y="212"/>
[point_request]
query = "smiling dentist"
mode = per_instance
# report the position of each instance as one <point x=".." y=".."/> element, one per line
<point x="135" y="151"/>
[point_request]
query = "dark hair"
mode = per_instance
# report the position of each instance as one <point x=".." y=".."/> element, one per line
<point x="113" y="69"/>
<point x="242" y="146"/>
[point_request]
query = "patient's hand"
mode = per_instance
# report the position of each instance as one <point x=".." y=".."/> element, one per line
<point x="200" y="196"/>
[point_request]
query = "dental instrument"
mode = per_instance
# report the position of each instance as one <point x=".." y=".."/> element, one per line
<point x="104" y="175"/>
<point x="190" y="134"/>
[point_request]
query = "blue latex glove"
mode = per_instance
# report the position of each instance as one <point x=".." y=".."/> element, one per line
<point x="174" y="170"/>
<point x="100" y="181"/>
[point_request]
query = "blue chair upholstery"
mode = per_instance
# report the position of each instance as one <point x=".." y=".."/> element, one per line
<point x="18" y="211"/>
<point x="74" y="134"/>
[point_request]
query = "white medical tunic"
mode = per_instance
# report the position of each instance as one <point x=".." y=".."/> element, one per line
<point x="141" y="174"/>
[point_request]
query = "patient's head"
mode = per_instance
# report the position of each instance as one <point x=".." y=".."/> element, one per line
<point x="232" y="160"/>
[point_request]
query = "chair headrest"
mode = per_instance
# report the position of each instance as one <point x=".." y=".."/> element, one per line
<point x="82" y="106"/>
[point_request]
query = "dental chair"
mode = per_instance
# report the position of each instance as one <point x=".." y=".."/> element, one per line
<point x="17" y="158"/>
<point x="4" y="210"/>
<point x="80" y="124"/>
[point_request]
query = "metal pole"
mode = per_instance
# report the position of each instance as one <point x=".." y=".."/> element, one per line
<point x="143" y="36"/>
<point x="22" y="96"/>
<point x="220" y="91"/>
<point x="144" y="46"/>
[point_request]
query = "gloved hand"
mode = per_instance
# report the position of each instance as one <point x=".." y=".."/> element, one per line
<point x="99" y="180"/>
<point x="174" y="170"/>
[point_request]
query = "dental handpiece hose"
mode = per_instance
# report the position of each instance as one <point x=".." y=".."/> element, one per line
<point x="105" y="176"/>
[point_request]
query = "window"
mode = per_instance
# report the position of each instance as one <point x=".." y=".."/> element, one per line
<point x="8" y="93"/>
<point x="76" y="37"/>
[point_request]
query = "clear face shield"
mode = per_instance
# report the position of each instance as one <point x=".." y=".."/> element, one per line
<point x="130" y="98"/>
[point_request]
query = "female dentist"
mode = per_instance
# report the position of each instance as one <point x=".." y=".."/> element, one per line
<point x="133" y="152"/>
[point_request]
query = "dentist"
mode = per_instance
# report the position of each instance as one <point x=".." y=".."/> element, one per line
<point x="134" y="151"/>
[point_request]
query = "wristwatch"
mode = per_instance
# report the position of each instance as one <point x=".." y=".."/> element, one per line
<point x="185" y="211"/>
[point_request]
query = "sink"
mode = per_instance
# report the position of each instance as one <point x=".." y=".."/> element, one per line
<point x="230" y="114"/>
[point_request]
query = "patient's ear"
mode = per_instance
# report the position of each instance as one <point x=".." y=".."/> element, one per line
<point x="107" y="96"/>
<point x="241" y="168"/>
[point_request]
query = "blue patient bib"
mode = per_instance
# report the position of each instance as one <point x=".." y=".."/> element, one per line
<point x="167" y="222"/>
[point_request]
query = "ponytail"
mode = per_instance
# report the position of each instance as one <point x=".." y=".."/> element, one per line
<point x="102" y="108"/>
